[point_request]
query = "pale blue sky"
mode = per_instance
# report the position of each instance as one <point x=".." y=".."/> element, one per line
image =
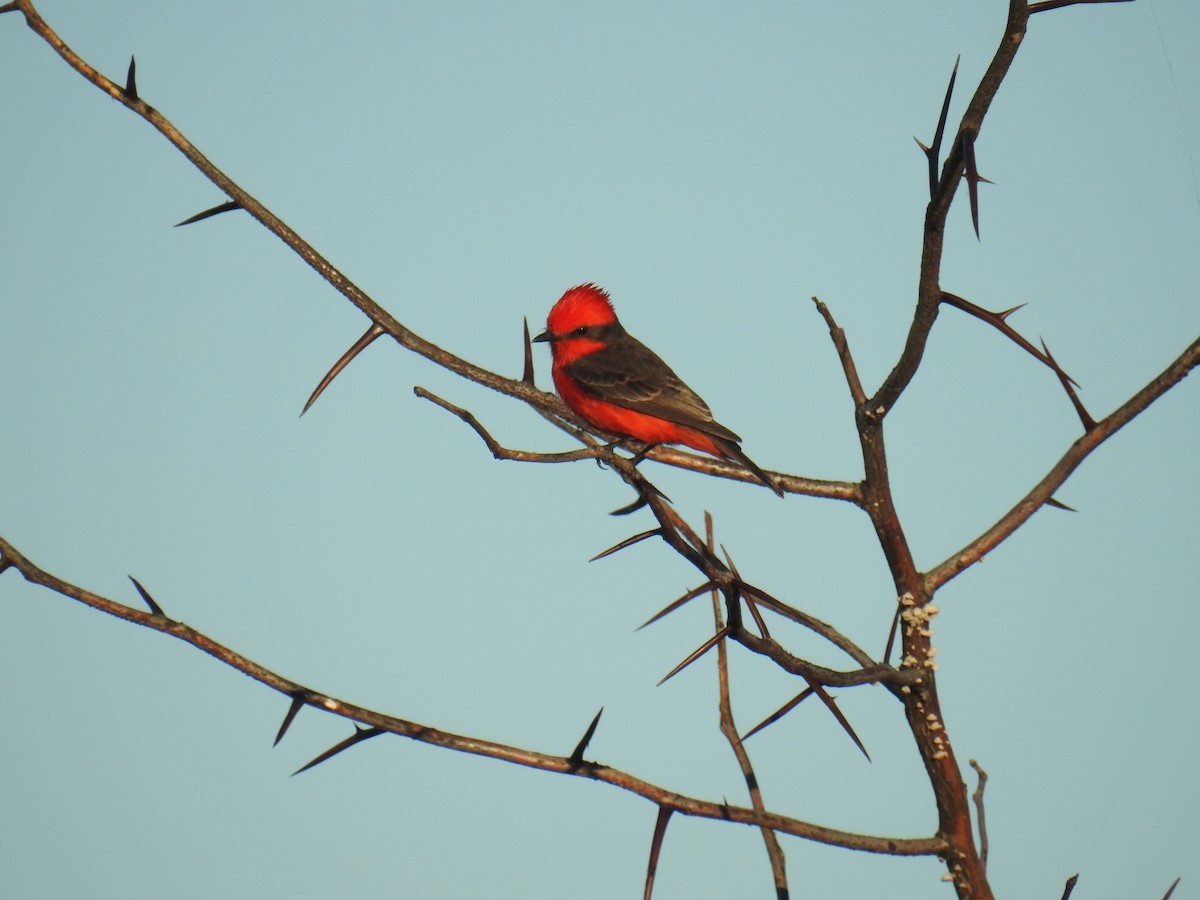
<point x="713" y="166"/>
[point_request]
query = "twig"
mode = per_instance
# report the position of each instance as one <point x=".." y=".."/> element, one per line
<point x="979" y="814"/>
<point x="925" y="846"/>
<point x="729" y="729"/>
<point x="1068" y="463"/>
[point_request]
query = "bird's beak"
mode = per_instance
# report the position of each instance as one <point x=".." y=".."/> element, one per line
<point x="544" y="336"/>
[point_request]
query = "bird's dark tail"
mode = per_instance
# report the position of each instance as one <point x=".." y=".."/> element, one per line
<point x="733" y="450"/>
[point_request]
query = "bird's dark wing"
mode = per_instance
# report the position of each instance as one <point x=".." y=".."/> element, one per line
<point x="629" y="374"/>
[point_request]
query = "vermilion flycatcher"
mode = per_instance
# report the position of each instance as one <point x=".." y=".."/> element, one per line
<point x="617" y="384"/>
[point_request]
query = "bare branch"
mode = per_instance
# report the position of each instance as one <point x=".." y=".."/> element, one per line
<point x="1054" y="479"/>
<point x="843" y="350"/>
<point x="999" y="321"/>
<point x="361" y="716"/>
<point x="729" y="730"/>
<point x="501" y="452"/>
<point x="1084" y="416"/>
<point x="379" y="316"/>
<point x="979" y="814"/>
<point x="929" y="287"/>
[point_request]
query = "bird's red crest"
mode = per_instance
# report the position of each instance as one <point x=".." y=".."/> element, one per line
<point x="585" y="304"/>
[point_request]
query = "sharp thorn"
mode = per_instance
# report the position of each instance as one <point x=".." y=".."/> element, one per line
<point x="527" y="375"/>
<point x="131" y="80"/>
<point x="660" y="830"/>
<point x="1059" y="505"/>
<point x="297" y="703"/>
<point x="346" y="358"/>
<point x="675" y="604"/>
<point x="695" y="655"/>
<point x="631" y="508"/>
<point x="575" y="760"/>
<point x="628" y="542"/>
<point x="779" y="713"/>
<point x="227" y="206"/>
<point x="149" y="601"/>
<point x="360" y="734"/>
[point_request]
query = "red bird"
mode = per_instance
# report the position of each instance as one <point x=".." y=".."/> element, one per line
<point x="617" y="384"/>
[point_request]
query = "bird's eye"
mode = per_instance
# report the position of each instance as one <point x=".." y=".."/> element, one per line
<point x="581" y="330"/>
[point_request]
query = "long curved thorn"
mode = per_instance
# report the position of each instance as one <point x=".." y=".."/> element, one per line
<point x="360" y="734"/>
<point x="1171" y="889"/>
<point x="675" y="604"/>
<point x="227" y="206"/>
<point x="695" y="655"/>
<point x="628" y="542"/>
<point x="361" y="344"/>
<point x="1057" y="504"/>
<point x="630" y="508"/>
<point x="660" y="830"/>
<point x="998" y="320"/>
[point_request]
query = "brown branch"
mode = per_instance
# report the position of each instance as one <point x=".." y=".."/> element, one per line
<point x="379" y="316"/>
<point x="1076" y="454"/>
<point x="999" y="321"/>
<point x="979" y="814"/>
<point x="929" y="287"/>
<point x="729" y="729"/>
<point x="926" y="846"/>
<point x="501" y="452"/>
<point x="843" y="350"/>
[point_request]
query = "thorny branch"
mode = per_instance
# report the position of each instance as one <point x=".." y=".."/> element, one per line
<point x="913" y="682"/>
<point x="380" y="317"/>
<point x="562" y="765"/>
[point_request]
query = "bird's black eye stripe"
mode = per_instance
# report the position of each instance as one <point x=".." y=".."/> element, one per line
<point x="581" y="330"/>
